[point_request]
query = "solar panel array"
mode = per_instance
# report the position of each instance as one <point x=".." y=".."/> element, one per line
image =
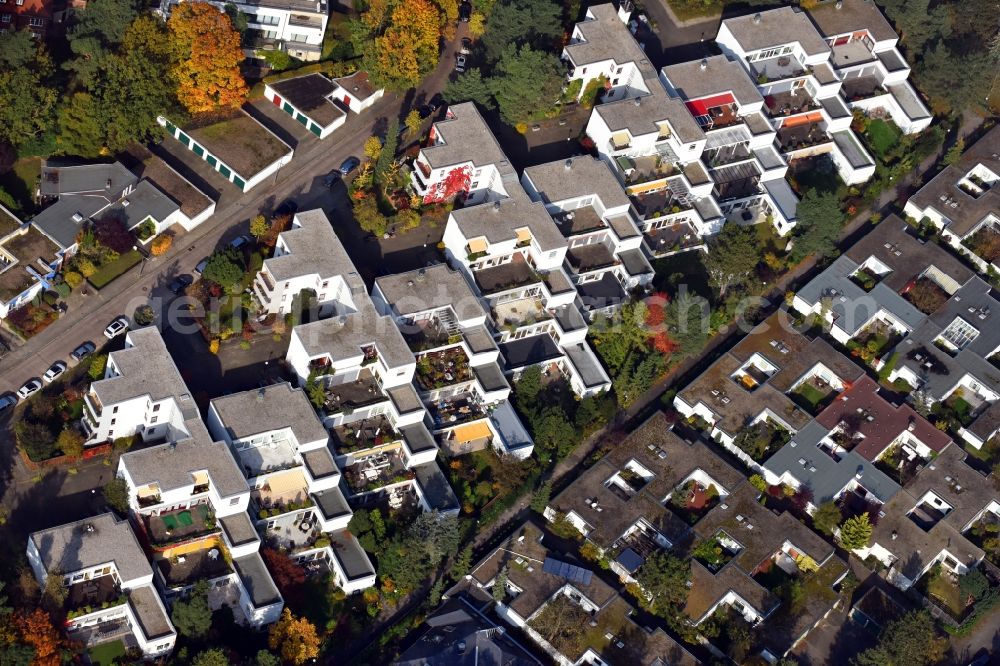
<point x="570" y="572"/>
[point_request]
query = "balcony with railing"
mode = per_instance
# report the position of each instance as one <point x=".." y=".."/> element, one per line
<point x="659" y="204"/>
<point x="859" y="88"/>
<point x="672" y="238"/>
<point x="446" y="367"/>
<point x="719" y="117"/>
<point x="800" y="137"/>
<point x="350" y="396"/>
<point x="636" y="171"/>
<point x="377" y="472"/>
<point x="282" y="492"/>
<point x="789" y="103"/>
<point x="364" y="434"/>
<point x="728" y="154"/>
<point x="592" y="257"/>
<point x="778" y="68"/>
<point x="515" y="273"/>
<point x="446" y="413"/>
<point x="579" y="221"/>
<point x="521" y="312"/>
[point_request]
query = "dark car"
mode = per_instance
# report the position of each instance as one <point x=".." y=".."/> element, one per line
<point x="331" y="178"/>
<point x="465" y="10"/>
<point x="349" y="165"/>
<point x="180" y="283"/>
<point x="83" y="351"/>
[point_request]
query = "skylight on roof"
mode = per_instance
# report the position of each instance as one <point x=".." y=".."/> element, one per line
<point x="959" y="333"/>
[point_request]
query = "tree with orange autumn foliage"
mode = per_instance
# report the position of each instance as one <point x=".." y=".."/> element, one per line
<point x="656" y="323"/>
<point x="206" y="58"/>
<point x="37" y="630"/>
<point x="294" y="639"/>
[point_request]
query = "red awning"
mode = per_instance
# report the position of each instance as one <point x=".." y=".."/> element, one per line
<point x="700" y="107"/>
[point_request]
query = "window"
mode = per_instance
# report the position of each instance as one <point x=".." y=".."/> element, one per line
<point x="36" y="22"/>
<point x="115" y="410"/>
<point x="20" y="2"/>
<point x="154" y="419"/>
<point x="583" y="71"/>
<point x="326" y="284"/>
<point x="5" y="18"/>
<point x="111" y="433"/>
<point x="113" y="421"/>
<point x="234" y="501"/>
<point x="156" y="408"/>
<point x="297" y="37"/>
<point x="615" y="82"/>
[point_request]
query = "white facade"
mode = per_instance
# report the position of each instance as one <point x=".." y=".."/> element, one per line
<point x="296" y="27"/>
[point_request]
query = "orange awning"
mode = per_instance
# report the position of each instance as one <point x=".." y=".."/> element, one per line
<point x="471" y="432"/>
<point x="477" y="245"/>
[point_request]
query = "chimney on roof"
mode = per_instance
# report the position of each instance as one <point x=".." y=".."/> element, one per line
<point x="107" y="185"/>
<point x="421" y="274"/>
<point x="89" y="527"/>
<point x="496" y="206"/>
<point x="638" y="101"/>
<point x="704" y="64"/>
<point x="260" y="394"/>
<point x="756" y="18"/>
<point x="895" y="535"/>
<point x="568" y="164"/>
<point x="840" y="4"/>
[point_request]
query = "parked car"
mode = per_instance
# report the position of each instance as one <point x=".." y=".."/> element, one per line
<point x="331" y="178"/>
<point x="180" y="283"/>
<point x="54" y="372"/>
<point x="117" y="326"/>
<point x="349" y="165"/>
<point x="8" y="399"/>
<point x="466" y="46"/>
<point x="29" y="388"/>
<point x="465" y="10"/>
<point x="460" y="63"/>
<point x="200" y="268"/>
<point x="239" y="242"/>
<point x="83" y="351"/>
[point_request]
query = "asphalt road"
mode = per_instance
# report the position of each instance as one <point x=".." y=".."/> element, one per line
<point x="301" y="181"/>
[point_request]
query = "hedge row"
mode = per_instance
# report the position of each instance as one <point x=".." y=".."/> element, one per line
<point x="331" y="68"/>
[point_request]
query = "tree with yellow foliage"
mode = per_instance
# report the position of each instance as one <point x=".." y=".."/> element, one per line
<point x="206" y="58"/>
<point x="404" y="40"/>
<point x="294" y="639"/>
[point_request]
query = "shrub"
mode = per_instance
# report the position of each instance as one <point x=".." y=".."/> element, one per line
<point x="73" y="279"/>
<point x="97" y="366"/>
<point x="143" y="315"/>
<point x="244" y="345"/>
<point x="213" y="346"/>
<point x="86" y="267"/>
<point x="161" y="244"/>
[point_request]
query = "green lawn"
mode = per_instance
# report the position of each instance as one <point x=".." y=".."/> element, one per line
<point x="106" y="653"/>
<point x="111" y="270"/>
<point x="946" y="594"/>
<point x="811" y="395"/>
<point x="882" y="136"/>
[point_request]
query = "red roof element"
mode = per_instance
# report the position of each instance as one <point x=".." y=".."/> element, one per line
<point x="700" y="107"/>
<point x="879" y="420"/>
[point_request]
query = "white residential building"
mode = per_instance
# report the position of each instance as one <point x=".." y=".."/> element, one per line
<point x="513" y="252"/>
<point x="309" y="257"/>
<point x="865" y="58"/>
<point x="457" y="377"/>
<point x="142" y="393"/>
<point x="108" y="583"/>
<point x="598" y="222"/>
<point x="295" y="497"/>
<point x="747" y="172"/>
<point x="294" y="26"/>
<point x="601" y="47"/>
<point x="791" y="64"/>
<point x="462" y="159"/>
